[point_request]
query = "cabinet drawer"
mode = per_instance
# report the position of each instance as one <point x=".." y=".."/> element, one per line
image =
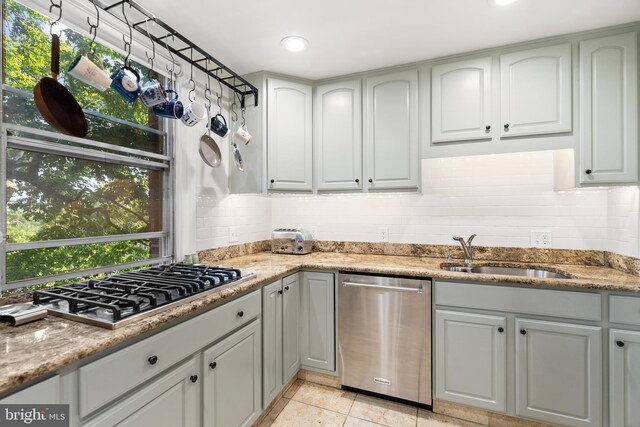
<point x="541" y="302"/>
<point x="105" y="379"/>
<point x="624" y="310"/>
<point x="45" y="392"/>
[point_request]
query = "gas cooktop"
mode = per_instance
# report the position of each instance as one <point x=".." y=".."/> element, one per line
<point x="119" y="299"/>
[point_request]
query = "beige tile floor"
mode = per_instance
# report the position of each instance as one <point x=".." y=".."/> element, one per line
<point x="308" y="404"/>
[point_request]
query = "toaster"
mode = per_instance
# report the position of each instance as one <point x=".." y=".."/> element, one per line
<point x="291" y="241"/>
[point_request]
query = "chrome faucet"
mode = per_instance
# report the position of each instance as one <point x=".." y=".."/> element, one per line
<point x="466" y="247"/>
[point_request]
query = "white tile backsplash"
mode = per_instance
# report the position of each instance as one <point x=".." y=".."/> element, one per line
<point x="500" y="197"/>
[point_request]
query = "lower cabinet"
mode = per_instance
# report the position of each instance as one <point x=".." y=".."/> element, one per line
<point x="559" y="372"/>
<point x="232" y="371"/>
<point x="318" y="341"/>
<point x="171" y="400"/>
<point x="624" y="378"/>
<point x="471" y="359"/>
<point x="281" y="331"/>
<point x="45" y="392"/>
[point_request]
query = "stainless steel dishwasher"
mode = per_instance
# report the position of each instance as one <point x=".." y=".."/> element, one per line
<point x="385" y="335"/>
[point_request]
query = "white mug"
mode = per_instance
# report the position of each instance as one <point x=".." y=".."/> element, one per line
<point x="88" y="72"/>
<point x="243" y="135"/>
<point x="193" y="113"/>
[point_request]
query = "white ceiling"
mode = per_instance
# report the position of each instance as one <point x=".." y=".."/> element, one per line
<point x="347" y="36"/>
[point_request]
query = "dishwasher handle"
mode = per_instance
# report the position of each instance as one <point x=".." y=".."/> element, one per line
<point x="386" y="287"/>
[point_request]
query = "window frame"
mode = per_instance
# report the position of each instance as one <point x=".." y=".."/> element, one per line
<point x="92" y="150"/>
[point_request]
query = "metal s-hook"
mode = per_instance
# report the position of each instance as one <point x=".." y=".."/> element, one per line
<point x="233" y="110"/>
<point x="207" y="89"/>
<point x="93" y="28"/>
<point x="127" y="44"/>
<point x="192" y="83"/>
<point x="173" y="61"/>
<point x="58" y="7"/>
<point x="219" y="93"/>
<point x="153" y="46"/>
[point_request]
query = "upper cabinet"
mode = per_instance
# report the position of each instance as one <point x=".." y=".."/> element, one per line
<point x="461" y="100"/>
<point x="391" y="145"/>
<point x="338" y="136"/>
<point x="289" y="134"/>
<point x="609" y="110"/>
<point x="535" y="91"/>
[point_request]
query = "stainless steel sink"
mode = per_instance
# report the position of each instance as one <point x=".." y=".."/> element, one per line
<point x="506" y="271"/>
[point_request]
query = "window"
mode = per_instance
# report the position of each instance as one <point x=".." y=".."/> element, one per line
<point x="76" y="207"/>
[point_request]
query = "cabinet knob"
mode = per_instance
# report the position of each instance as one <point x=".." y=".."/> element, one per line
<point x="487" y="127"/>
<point x="523" y="332"/>
<point x="588" y="171"/>
<point x="620" y="343"/>
<point x="273" y="180"/>
<point x="286" y="288"/>
<point x="506" y="126"/>
<point x="280" y="291"/>
<point x="357" y="180"/>
<point x="213" y="365"/>
<point x="240" y="313"/>
<point x="501" y="329"/>
<point x="370" y="181"/>
<point x="152" y="360"/>
<point x="193" y="378"/>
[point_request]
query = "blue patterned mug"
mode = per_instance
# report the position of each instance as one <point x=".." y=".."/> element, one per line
<point x="126" y="81"/>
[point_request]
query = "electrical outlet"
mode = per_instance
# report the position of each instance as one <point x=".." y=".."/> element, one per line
<point x="383" y="234"/>
<point x="540" y="239"/>
<point x="314" y="233"/>
<point x="233" y="234"/>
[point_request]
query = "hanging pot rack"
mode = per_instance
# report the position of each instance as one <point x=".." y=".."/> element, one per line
<point x="139" y="17"/>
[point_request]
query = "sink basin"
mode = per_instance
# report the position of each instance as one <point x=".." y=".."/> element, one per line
<point x="506" y="271"/>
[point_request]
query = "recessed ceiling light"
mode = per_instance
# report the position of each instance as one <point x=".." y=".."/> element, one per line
<point x="294" y="43"/>
<point x="503" y="2"/>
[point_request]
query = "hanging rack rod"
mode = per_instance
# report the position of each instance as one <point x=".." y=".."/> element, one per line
<point x="190" y="49"/>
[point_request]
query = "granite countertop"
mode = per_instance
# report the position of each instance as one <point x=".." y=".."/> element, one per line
<point x="47" y="345"/>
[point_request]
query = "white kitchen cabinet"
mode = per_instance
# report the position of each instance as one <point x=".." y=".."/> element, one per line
<point x="609" y="110"/>
<point x="232" y="371"/>
<point x="290" y="327"/>
<point x="559" y="372"/>
<point x="318" y="347"/>
<point x="391" y="144"/>
<point x="338" y="136"/>
<point x="461" y="100"/>
<point x="172" y="400"/>
<point x="535" y="91"/>
<point x="47" y="391"/>
<point x="281" y="344"/>
<point x="289" y="136"/>
<point x="470" y="359"/>
<point x="624" y="378"/>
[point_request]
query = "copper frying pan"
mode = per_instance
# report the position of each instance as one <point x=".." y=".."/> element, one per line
<point x="54" y="101"/>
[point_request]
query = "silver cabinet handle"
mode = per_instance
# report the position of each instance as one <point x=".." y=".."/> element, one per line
<point x="389" y="288"/>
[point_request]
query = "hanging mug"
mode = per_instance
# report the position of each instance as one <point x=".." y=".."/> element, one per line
<point x="219" y="126"/>
<point x="171" y="109"/>
<point x="90" y="71"/>
<point x="152" y="93"/>
<point x="193" y="113"/>
<point x="126" y="81"/>
<point x="243" y="135"/>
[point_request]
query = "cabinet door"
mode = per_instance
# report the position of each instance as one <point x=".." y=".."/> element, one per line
<point x="559" y="372"/>
<point x="289" y="140"/>
<point x="535" y="91"/>
<point x="318" y="347"/>
<point x="290" y="327"/>
<point x="461" y="101"/>
<point x="338" y="136"/>
<point x="172" y="400"/>
<point x="272" y="343"/>
<point x="471" y="365"/>
<point x="391" y="144"/>
<point x="232" y="379"/>
<point x="609" y="110"/>
<point x="624" y="378"/>
<point x="47" y="391"/>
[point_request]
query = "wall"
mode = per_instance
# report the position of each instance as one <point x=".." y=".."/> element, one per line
<point x="500" y="197"/>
